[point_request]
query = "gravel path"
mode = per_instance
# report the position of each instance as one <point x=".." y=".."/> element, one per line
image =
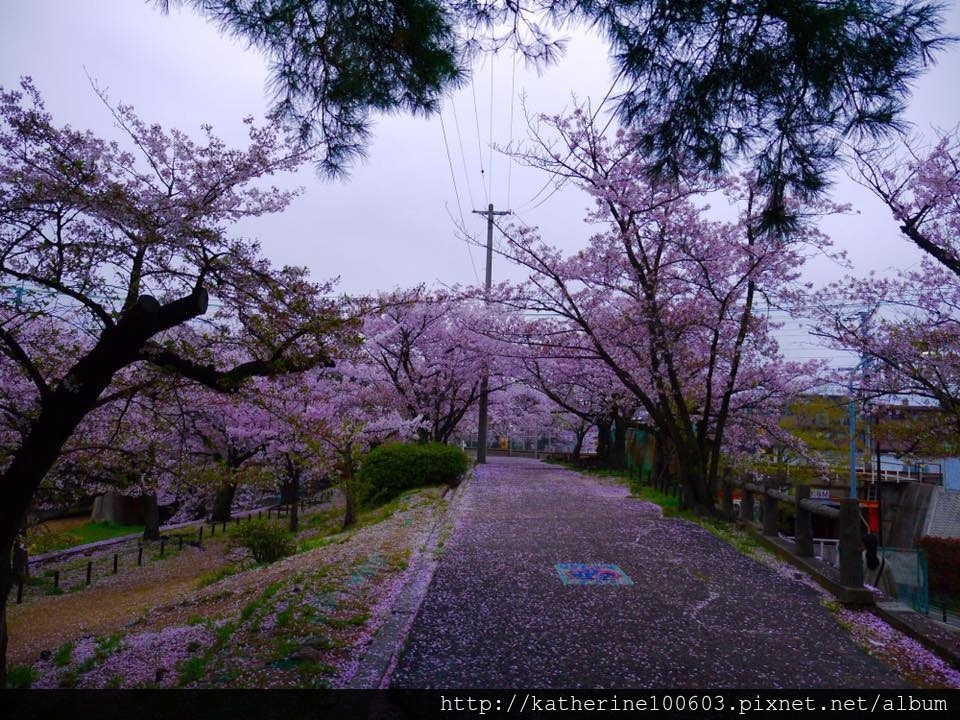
<point x="699" y="614"/>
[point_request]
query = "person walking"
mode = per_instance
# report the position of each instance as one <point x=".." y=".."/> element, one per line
<point x="876" y="570"/>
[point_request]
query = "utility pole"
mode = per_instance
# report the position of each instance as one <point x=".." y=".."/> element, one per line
<point x="864" y="364"/>
<point x="488" y="281"/>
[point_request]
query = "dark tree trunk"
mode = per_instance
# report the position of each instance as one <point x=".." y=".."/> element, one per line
<point x="21" y="562"/>
<point x="151" y="517"/>
<point x="350" y="509"/>
<point x="660" y="473"/>
<point x="6" y="584"/>
<point x="578" y="446"/>
<point x="21" y="557"/>
<point x="66" y="405"/>
<point x="698" y="491"/>
<point x="223" y="502"/>
<point x="617" y="458"/>
<point x="295" y="514"/>
<point x="603" y="441"/>
<point x="292" y="488"/>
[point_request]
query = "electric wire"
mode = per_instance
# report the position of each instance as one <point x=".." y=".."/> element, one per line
<point x="529" y="204"/>
<point x="456" y="192"/>
<point x="513" y="97"/>
<point x="476" y="118"/>
<point x="490" y="137"/>
<point x="463" y="155"/>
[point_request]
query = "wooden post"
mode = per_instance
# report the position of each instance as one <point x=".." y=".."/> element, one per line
<point x="771" y="516"/>
<point x="116" y="562"/>
<point x="180" y="540"/>
<point x="804" y="523"/>
<point x="848" y="526"/>
<point x="89" y="570"/>
<point x="213" y="529"/>
<point x="56" y="579"/>
<point x="200" y="539"/>
<point x="19" y="591"/>
<point x="162" y="543"/>
<point x="140" y="556"/>
<point x="224" y="528"/>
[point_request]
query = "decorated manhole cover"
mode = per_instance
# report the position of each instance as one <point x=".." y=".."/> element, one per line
<point x="592" y="574"/>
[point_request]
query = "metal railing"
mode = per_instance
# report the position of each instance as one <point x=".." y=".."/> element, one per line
<point x="909" y="566"/>
<point x="847" y="517"/>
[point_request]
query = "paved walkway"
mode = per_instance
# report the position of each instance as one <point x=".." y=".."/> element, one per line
<point x="699" y="614"/>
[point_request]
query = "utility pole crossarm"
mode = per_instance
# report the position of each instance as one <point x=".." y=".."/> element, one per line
<point x="490" y="213"/>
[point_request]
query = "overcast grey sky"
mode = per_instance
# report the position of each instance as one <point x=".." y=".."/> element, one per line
<point x="389" y="224"/>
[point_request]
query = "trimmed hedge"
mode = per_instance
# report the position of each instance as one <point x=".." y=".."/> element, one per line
<point x="389" y="469"/>
<point x="943" y="560"/>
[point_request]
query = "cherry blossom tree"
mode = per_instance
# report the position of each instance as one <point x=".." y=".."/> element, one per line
<point x="120" y="247"/>
<point x="586" y="389"/>
<point x="907" y="328"/>
<point x="429" y="357"/>
<point x="910" y="337"/>
<point x="519" y="412"/>
<point x="329" y="419"/>
<point x="922" y="191"/>
<point x="226" y="436"/>
<point x="665" y="297"/>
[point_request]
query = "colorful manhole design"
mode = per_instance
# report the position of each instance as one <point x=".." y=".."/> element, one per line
<point x="592" y="574"/>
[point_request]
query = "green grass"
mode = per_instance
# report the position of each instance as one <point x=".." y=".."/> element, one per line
<point x="329" y="522"/>
<point x="742" y="541"/>
<point x="107" y="645"/>
<point x="96" y="531"/>
<point x="192" y="670"/>
<point x="81" y="535"/>
<point x="21" y="677"/>
<point x="69" y="679"/>
<point x="249" y="609"/>
<point x="668" y="503"/>
<point x="319" y="541"/>
<point x="322" y="519"/>
<point x="285" y="616"/>
<point x="63" y="654"/>
<point x="217" y="575"/>
<point x="620" y="477"/>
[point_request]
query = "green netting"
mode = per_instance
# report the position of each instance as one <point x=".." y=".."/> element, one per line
<point x="910" y="571"/>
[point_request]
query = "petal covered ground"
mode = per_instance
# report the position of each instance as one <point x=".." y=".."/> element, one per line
<point x="699" y="614"/>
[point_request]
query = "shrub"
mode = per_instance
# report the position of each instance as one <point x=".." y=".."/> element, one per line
<point x="390" y="469"/>
<point x="265" y="541"/>
<point x="943" y="559"/>
<point x="21" y="677"/>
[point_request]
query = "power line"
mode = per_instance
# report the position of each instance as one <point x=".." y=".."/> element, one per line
<point x="490" y="137"/>
<point x="570" y="152"/>
<point x="456" y="192"/>
<point x="513" y="97"/>
<point x="463" y="155"/>
<point x="476" y="118"/>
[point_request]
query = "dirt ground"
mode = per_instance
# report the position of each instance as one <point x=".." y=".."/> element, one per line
<point x="108" y="605"/>
<point x="303" y="621"/>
